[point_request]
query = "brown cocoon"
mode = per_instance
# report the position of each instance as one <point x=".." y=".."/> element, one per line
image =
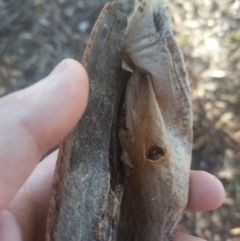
<point x="156" y="127"/>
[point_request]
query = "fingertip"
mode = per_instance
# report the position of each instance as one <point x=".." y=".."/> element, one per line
<point x="206" y="192"/>
<point x="77" y="69"/>
<point x="78" y="82"/>
<point x="66" y="95"/>
<point x="219" y="191"/>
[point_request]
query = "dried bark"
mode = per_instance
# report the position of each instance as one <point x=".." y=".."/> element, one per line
<point x="87" y="193"/>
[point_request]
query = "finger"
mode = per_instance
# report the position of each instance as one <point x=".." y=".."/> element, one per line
<point x="185" y="237"/>
<point x="9" y="229"/>
<point x="35" y="119"/>
<point x="206" y="192"/>
<point x="31" y="203"/>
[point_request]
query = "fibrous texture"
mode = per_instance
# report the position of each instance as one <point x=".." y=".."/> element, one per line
<point x="156" y="127"/>
<point x="86" y="193"/>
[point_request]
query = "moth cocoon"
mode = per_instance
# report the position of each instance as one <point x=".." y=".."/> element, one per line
<point x="156" y="127"/>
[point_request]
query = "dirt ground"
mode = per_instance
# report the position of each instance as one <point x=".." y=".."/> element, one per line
<point x="36" y="34"/>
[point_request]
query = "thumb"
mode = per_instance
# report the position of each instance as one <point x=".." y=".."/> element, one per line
<point x="35" y="119"/>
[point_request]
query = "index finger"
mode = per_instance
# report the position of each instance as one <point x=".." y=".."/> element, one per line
<point x="206" y="192"/>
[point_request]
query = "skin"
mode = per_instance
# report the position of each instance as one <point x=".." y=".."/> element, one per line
<point x="33" y="121"/>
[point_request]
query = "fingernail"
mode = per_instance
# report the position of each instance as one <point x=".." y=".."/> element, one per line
<point x="58" y="69"/>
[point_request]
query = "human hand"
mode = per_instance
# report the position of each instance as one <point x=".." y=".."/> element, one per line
<point x="36" y="119"/>
<point x="31" y="122"/>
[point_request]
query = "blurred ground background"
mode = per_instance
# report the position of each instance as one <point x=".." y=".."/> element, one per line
<point x="36" y="34"/>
